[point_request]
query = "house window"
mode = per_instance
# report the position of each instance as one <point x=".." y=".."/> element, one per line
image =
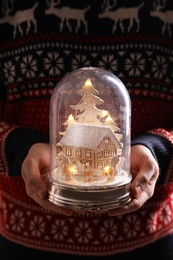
<point x="113" y="152"/>
<point x="106" y="141"/>
<point x="106" y="153"/>
<point x="119" y="151"/>
<point x="87" y="153"/>
<point x="78" y="152"/>
<point x="99" y="155"/>
<point x="68" y="151"/>
<point x="106" y="163"/>
<point x="100" y="166"/>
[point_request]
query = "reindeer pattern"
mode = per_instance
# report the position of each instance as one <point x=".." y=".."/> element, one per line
<point x="110" y="14"/>
<point x="18" y="17"/>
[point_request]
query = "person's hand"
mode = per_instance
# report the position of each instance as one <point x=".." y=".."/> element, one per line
<point x="145" y="172"/>
<point x="34" y="172"/>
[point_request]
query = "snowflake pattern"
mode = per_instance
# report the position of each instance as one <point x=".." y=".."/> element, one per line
<point x="135" y="64"/>
<point x="53" y="63"/>
<point x="166" y="214"/>
<point x="152" y="223"/>
<point x="83" y="232"/>
<point x="159" y="67"/>
<point x="59" y="230"/>
<point x="108" y="231"/>
<point x="79" y="60"/>
<point x="17" y="221"/>
<point x="109" y="62"/>
<point x="28" y="66"/>
<point x="131" y="64"/>
<point x="9" y="71"/>
<point x="132" y="226"/>
<point x="37" y="226"/>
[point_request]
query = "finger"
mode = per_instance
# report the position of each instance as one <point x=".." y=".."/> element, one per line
<point x="145" y="180"/>
<point x="46" y="204"/>
<point x="34" y="183"/>
<point x="133" y="205"/>
<point x="138" y="201"/>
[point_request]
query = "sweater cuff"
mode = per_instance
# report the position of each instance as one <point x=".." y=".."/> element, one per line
<point x="160" y="146"/>
<point x="18" y="143"/>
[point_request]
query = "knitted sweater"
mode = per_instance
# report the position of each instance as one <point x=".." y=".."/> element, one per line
<point x="41" y="41"/>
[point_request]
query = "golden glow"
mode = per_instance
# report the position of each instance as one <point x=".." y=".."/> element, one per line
<point x="108" y="170"/>
<point x="104" y="113"/>
<point x="71" y="118"/>
<point x="88" y="83"/>
<point x="108" y="119"/>
<point x="72" y="169"/>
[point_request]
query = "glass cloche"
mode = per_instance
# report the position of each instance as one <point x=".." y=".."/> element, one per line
<point x="90" y="126"/>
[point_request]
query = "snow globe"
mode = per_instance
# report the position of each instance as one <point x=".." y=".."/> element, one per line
<point x="90" y="125"/>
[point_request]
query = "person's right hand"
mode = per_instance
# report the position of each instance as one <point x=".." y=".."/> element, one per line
<point x="34" y="172"/>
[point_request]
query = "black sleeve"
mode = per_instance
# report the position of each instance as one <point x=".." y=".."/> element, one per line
<point x="161" y="148"/>
<point x="18" y="144"/>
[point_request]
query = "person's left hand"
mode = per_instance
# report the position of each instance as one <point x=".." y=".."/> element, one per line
<point x="145" y="172"/>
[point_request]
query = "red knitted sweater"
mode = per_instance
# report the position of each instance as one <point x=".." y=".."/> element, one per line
<point x="36" y="50"/>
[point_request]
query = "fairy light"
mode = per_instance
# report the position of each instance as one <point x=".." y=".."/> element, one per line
<point x="104" y="113"/>
<point x="72" y="169"/>
<point x="71" y="117"/>
<point x="88" y="83"/>
<point x="109" y="119"/>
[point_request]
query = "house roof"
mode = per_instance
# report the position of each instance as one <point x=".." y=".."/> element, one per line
<point x="87" y="136"/>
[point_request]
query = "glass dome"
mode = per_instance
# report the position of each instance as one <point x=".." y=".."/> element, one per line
<point x="90" y="126"/>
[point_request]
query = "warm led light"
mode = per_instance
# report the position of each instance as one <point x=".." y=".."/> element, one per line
<point x="108" y="170"/>
<point x="104" y="113"/>
<point x="109" y="119"/>
<point x="71" y="117"/>
<point x="72" y="169"/>
<point x="88" y="83"/>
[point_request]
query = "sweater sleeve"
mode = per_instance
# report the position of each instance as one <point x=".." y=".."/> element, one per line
<point x="17" y="142"/>
<point x="160" y="143"/>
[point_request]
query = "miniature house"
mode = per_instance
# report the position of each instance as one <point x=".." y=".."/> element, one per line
<point x="92" y="146"/>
